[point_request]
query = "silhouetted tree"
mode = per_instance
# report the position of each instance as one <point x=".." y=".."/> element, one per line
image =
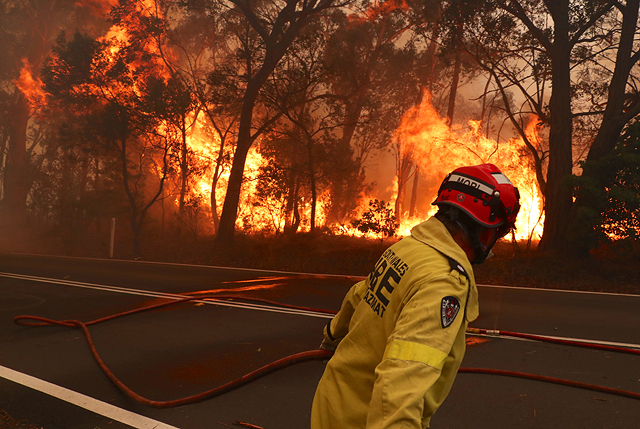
<point x="571" y="63"/>
<point x="109" y="79"/>
<point x="372" y="60"/>
<point x="614" y="196"/>
<point x="277" y="25"/>
<point x="27" y="32"/>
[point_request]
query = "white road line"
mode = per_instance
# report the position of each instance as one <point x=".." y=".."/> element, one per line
<point x="260" y="307"/>
<point x="83" y="401"/>
<point x="342" y="276"/>
<point x="604" y="343"/>
<point x="570" y="339"/>
<point x="141" y="292"/>
<point x="583" y="292"/>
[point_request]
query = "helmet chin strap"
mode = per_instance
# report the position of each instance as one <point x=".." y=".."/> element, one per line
<point x="481" y="251"/>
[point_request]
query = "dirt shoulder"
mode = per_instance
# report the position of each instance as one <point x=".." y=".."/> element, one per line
<point x="326" y="254"/>
<point x="599" y="273"/>
<point x="605" y="271"/>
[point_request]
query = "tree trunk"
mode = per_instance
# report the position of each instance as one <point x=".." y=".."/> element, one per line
<point x="16" y="172"/>
<point x="352" y="116"/>
<point x="214" y="184"/>
<point x="426" y="79"/>
<point x="404" y="166"/>
<point x="414" y="192"/>
<point x="296" y="210"/>
<point x="291" y="197"/>
<point x="454" y="86"/>
<point x="184" y="168"/>
<point x="615" y="117"/>
<point x="133" y="206"/>
<point x="559" y="196"/>
<point x="4" y="140"/>
<point x="227" y="227"/>
<point x="312" y="184"/>
<point x="226" y="230"/>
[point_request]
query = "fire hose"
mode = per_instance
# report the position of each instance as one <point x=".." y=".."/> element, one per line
<point x="36" y="321"/>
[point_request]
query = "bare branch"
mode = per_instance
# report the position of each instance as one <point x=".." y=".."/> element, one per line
<point x="594" y="18"/>
<point x="518" y="11"/>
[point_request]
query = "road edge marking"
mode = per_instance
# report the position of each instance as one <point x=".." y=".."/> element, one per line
<point x="83" y="401"/>
<point x="258" y="270"/>
<point x="153" y="294"/>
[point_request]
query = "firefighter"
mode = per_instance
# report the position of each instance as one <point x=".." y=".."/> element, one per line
<point x="399" y="336"/>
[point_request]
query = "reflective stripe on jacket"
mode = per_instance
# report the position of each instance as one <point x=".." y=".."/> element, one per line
<point x="400" y="336"/>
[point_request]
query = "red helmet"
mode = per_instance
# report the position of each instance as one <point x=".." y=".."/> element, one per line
<point x="483" y="193"/>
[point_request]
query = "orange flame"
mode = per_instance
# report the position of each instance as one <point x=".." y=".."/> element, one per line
<point x="385" y="7"/>
<point x="433" y="145"/>
<point x="31" y="87"/>
<point x="437" y="150"/>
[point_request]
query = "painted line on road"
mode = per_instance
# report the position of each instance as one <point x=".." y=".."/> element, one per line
<point x="83" y="401"/>
<point x="142" y="292"/>
<point x="342" y="276"/>
<point x="583" y="292"/>
<point x="174" y="264"/>
<point x="551" y="337"/>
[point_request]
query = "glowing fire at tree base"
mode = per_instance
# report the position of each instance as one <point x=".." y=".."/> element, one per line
<point x="426" y="140"/>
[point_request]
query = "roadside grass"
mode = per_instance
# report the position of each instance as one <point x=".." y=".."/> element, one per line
<point x="610" y="269"/>
<point x="605" y="271"/>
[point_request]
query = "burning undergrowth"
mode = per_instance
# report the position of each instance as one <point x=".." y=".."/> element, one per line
<point x="177" y="151"/>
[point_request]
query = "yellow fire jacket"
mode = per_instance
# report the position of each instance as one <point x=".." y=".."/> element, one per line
<point x="400" y="336"/>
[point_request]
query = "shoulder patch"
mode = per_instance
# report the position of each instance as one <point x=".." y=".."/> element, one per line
<point x="449" y="309"/>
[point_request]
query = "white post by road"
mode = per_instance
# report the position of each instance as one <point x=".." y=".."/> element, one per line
<point x="113" y="236"/>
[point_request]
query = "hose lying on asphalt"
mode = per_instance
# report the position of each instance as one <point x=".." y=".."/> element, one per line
<point x="299" y="357"/>
<point x="554" y="380"/>
<point x="575" y="343"/>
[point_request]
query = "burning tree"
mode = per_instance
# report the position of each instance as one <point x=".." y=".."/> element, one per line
<point x="372" y="62"/>
<point x="134" y="104"/>
<point x="180" y="104"/>
<point x="27" y="33"/>
<point x="378" y="220"/>
<point x="571" y="64"/>
<point x="277" y="25"/>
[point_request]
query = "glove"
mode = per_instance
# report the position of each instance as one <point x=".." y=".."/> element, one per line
<point x="326" y="345"/>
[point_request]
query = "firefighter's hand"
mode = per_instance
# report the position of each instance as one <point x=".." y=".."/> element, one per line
<point x="326" y="345"/>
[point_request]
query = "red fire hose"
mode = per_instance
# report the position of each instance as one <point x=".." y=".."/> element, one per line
<point x="304" y="356"/>
<point x="495" y="333"/>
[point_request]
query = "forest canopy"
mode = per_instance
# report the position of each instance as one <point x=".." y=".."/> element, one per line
<point x="199" y="118"/>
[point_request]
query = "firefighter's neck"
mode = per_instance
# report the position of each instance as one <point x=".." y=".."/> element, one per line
<point x="462" y="240"/>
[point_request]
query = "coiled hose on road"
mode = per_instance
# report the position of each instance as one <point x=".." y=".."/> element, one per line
<point x="308" y="355"/>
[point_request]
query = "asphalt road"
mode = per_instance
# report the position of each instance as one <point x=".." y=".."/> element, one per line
<point x="192" y="347"/>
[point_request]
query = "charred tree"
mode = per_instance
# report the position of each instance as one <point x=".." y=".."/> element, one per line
<point x="455" y="79"/>
<point x="556" y="76"/>
<point x="28" y="30"/>
<point x="277" y="37"/>
<point x="374" y="81"/>
<point x="621" y="108"/>
<point x="559" y="194"/>
<point x="16" y="171"/>
<point x="414" y="192"/>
